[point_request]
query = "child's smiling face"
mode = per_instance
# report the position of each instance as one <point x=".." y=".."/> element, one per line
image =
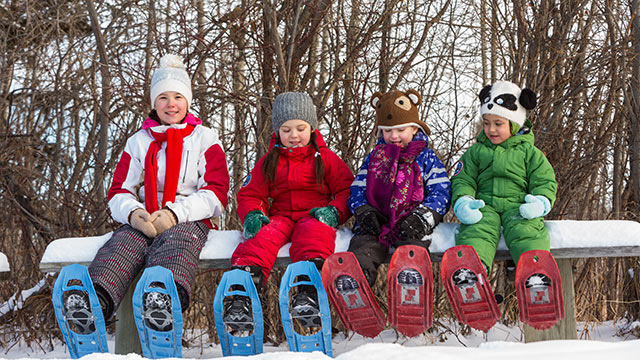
<point x="171" y="107"/>
<point x="400" y="136"/>
<point x="496" y="128"/>
<point x="295" y="133"/>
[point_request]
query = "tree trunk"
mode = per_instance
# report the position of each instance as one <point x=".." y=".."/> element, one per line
<point x="103" y="131"/>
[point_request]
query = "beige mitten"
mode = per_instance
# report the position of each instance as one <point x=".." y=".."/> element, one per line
<point x="140" y="220"/>
<point x="163" y="220"/>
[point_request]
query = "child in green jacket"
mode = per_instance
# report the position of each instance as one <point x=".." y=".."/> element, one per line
<point x="503" y="180"/>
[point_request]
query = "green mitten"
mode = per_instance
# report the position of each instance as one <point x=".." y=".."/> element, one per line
<point x="328" y="215"/>
<point x="253" y="223"/>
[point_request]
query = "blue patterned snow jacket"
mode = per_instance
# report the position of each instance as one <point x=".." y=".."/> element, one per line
<point x="437" y="187"/>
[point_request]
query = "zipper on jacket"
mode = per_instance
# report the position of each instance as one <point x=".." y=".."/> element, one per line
<point x="186" y="168"/>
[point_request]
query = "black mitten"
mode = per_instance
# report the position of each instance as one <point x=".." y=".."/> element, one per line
<point x="418" y="224"/>
<point x="369" y="219"/>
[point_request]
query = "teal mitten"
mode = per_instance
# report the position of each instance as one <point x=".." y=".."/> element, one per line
<point x="253" y="223"/>
<point x="467" y="210"/>
<point x="535" y="206"/>
<point x="328" y="215"/>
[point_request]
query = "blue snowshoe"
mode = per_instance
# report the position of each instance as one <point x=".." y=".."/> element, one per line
<point x="78" y="312"/>
<point x="308" y="310"/>
<point x="238" y="314"/>
<point x="158" y="314"/>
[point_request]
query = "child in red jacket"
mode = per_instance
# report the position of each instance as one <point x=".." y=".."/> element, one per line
<point x="296" y="193"/>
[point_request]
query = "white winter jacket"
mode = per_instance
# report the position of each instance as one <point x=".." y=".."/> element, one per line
<point x="204" y="178"/>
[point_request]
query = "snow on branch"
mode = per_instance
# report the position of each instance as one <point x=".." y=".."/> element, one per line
<point x="16" y="301"/>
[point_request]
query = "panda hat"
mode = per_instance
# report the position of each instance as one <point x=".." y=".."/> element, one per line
<point x="507" y="100"/>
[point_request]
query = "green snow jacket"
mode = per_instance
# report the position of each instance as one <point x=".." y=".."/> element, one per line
<point x="503" y="174"/>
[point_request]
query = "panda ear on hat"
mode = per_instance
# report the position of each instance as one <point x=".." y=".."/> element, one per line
<point x="528" y="99"/>
<point x="484" y="93"/>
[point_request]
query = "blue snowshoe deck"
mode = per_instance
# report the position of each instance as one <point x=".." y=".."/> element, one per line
<point x="305" y="273"/>
<point x="237" y="282"/>
<point x="83" y="329"/>
<point x="160" y="330"/>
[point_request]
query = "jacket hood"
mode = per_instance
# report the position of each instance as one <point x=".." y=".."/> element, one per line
<point x="525" y="134"/>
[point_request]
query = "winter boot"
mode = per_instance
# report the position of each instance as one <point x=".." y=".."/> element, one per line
<point x="305" y="308"/>
<point x="238" y="314"/>
<point x="370" y="253"/>
<point x="410" y="277"/>
<point x="538" y="284"/>
<point x="465" y="280"/>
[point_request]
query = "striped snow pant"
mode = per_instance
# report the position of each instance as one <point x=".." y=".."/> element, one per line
<point x="122" y="257"/>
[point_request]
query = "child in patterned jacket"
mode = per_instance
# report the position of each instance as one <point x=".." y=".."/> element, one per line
<point x="402" y="190"/>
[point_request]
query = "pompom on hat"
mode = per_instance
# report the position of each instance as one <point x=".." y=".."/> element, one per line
<point x="171" y="75"/>
<point x="508" y="101"/>
<point x="293" y="105"/>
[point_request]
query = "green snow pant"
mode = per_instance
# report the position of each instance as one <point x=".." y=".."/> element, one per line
<point x="520" y="234"/>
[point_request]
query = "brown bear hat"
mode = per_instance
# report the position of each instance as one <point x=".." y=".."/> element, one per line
<point x="396" y="109"/>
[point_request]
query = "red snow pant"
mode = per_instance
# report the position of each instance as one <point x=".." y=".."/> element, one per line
<point x="309" y="239"/>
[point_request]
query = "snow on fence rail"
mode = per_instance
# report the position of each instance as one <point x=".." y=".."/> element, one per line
<point x="569" y="240"/>
<point x="5" y="270"/>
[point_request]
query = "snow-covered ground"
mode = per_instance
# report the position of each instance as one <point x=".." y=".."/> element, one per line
<point x="600" y="342"/>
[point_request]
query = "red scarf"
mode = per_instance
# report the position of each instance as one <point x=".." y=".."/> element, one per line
<point x="174" y="138"/>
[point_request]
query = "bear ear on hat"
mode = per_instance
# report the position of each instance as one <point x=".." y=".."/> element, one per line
<point x="528" y="99"/>
<point x="414" y="96"/>
<point x="375" y="99"/>
<point x="484" y="93"/>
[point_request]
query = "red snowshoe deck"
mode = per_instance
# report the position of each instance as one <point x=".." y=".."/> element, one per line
<point x="539" y="290"/>
<point x="410" y="290"/>
<point x="472" y="299"/>
<point x="357" y="307"/>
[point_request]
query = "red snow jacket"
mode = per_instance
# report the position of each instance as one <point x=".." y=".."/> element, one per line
<point x="295" y="190"/>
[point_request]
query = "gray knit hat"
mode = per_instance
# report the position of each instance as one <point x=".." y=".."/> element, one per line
<point x="293" y="105"/>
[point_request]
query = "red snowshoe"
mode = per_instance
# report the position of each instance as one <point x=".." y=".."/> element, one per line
<point x="468" y="288"/>
<point x="539" y="289"/>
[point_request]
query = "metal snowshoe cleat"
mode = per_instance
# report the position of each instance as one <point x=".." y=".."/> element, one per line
<point x="77" y="312"/>
<point x="238" y="315"/>
<point x="157" y="310"/>
<point x="304" y="307"/>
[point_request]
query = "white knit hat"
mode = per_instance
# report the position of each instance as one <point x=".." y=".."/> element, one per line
<point x="171" y="76"/>
<point x="506" y="100"/>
